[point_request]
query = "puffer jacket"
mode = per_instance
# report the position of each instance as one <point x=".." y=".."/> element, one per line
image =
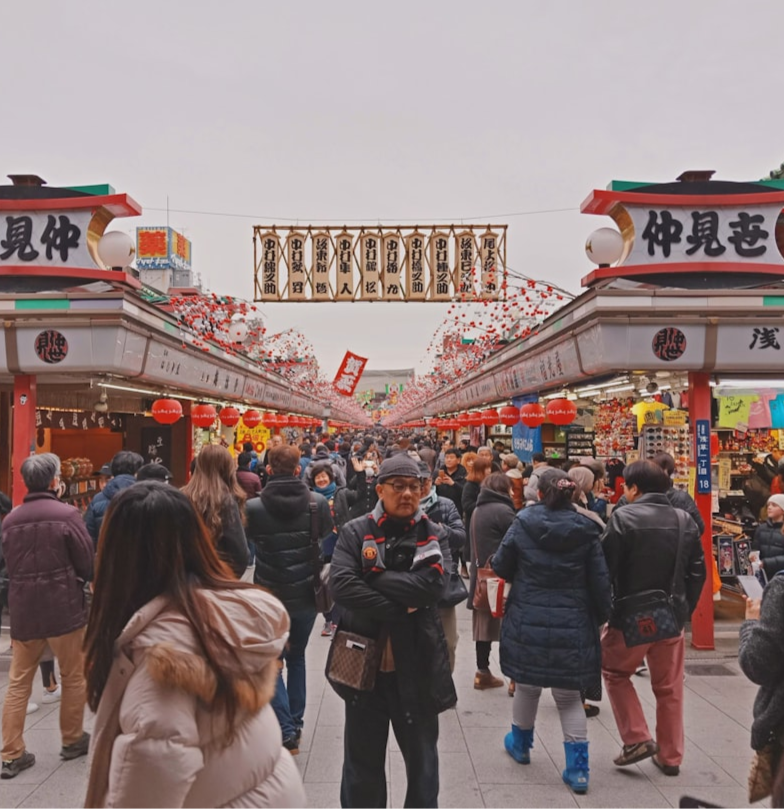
<point x="761" y="656"/>
<point x="356" y="500"/>
<point x="640" y="541"/>
<point x="769" y="541"/>
<point x="374" y="602"/>
<point x="49" y="557"/>
<point x="159" y="739"/>
<point x="560" y="596"/>
<point x="493" y="515"/>
<point x="93" y="517"/>
<point x="279" y="528"/>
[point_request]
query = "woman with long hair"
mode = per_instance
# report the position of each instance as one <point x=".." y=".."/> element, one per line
<point x="493" y="515"/>
<point x="559" y="598"/>
<point x="181" y="663"/>
<point x="220" y="502"/>
<point x="477" y="472"/>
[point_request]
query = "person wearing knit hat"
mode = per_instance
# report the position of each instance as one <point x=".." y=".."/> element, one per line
<point x="389" y="572"/>
<point x="769" y="540"/>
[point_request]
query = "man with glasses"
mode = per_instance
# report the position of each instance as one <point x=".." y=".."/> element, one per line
<point x="388" y="573"/>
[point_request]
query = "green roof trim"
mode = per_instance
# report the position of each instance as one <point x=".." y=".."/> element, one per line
<point x="773" y="300"/>
<point x="772" y="183"/>
<point x="42" y="303"/>
<point x="626" y="185"/>
<point x="102" y="190"/>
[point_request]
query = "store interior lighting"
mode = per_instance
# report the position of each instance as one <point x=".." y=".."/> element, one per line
<point x="739" y="382"/>
<point x="148" y="392"/>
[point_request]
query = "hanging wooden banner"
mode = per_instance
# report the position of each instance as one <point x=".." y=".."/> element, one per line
<point x="270" y="261"/>
<point x="416" y="288"/>
<point x="393" y="288"/>
<point x="344" y="245"/>
<point x="466" y="257"/>
<point x="321" y="260"/>
<point x="489" y="258"/>
<point x="369" y="270"/>
<point x="298" y="277"/>
<point x="440" y="271"/>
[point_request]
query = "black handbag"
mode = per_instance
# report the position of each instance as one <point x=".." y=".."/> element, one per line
<point x="455" y="591"/>
<point x="650" y="616"/>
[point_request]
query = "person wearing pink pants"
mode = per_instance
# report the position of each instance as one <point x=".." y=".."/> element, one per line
<point x="650" y="545"/>
<point x="665" y="664"/>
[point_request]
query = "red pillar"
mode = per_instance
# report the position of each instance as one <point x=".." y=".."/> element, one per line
<point x="23" y="438"/>
<point x="702" y="619"/>
<point x="187" y="406"/>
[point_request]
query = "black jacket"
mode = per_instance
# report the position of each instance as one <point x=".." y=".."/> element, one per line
<point x="560" y="596"/>
<point x="454" y="492"/>
<point x="769" y="541"/>
<point x="493" y="515"/>
<point x="761" y="658"/>
<point x="445" y="515"/>
<point x="355" y="500"/>
<point x="640" y="541"/>
<point x="371" y="602"/>
<point x="233" y="544"/>
<point x="678" y="499"/>
<point x="468" y="501"/>
<point x="279" y="527"/>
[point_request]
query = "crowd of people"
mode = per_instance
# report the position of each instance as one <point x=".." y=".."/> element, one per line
<point x="181" y="617"/>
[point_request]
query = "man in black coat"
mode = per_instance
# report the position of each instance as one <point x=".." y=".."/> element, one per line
<point x="279" y="525"/>
<point x="650" y="545"/>
<point x="388" y="573"/>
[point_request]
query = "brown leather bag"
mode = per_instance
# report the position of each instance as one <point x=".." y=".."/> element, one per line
<point x="481" y="601"/>
<point x="354" y="660"/>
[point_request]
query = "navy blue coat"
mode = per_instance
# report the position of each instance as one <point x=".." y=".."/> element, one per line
<point x="559" y="598"/>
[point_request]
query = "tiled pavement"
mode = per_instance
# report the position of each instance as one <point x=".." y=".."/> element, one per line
<point x="474" y="769"/>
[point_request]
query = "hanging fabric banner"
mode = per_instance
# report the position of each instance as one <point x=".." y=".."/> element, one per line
<point x="348" y="374"/>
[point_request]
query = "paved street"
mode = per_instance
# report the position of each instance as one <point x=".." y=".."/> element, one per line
<point x="475" y="770"/>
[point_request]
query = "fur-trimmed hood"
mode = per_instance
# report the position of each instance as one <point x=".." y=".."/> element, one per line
<point x="255" y="621"/>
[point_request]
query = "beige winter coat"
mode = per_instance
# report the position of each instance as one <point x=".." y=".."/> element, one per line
<point x="157" y="740"/>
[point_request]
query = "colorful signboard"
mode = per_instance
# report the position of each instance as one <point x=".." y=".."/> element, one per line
<point x="162" y="248"/>
<point x="703" y="456"/>
<point x="348" y="374"/>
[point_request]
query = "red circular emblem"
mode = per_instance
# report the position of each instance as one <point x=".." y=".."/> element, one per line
<point x="51" y="346"/>
<point x="370" y="553"/>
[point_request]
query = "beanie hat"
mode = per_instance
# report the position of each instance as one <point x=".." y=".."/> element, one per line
<point x="322" y="451"/>
<point x="399" y="466"/>
<point x="777" y="499"/>
<point x="583" y="477"/>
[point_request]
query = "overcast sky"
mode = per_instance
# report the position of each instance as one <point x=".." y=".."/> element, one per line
<point x="368" y="111"/>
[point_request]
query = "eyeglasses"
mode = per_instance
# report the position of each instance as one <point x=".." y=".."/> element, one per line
<point x="398" y="486"/>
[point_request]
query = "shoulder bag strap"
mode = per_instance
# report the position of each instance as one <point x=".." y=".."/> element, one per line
<point x="681" y="516"/>
<point x="314" y="534"/>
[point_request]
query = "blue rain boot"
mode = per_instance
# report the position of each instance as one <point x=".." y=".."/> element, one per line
<point x="576" y="772"/>
<point x="518" y="743"/>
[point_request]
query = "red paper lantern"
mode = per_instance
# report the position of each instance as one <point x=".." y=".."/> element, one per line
<point x="532" y="414"/>
<point x="490" y="417"/>
<point x="270" y="419"/>
<point x="229" y="416"/>
<point x="283" y="420"/>
<point x="510" y="415"/>
<point x="203" y="415"/>
<point x="561" y="411"/>
<point x="464" y="419"/>
<point x="166" y="411"/>
<point x="251" y="418"/>
<point x="436" y="423"/>
<point x="474" y="419"/>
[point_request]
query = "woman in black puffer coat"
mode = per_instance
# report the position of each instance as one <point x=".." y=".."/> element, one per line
<point x="769" y="540"/>
<point x="560" y="596"/>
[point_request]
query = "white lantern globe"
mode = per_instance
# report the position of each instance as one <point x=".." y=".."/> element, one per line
<point x="116" y="249"/>
<point x="238" y="331"/>
<point x="604" y="246"/>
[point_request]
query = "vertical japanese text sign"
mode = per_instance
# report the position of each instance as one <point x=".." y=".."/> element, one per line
<point x="703" y="456"/>
<point x="391" y="267"/>
<point x="344" y="245"/>
<point x="369" y="265"/>
<point x="416" y="288"/>
<point x="295" y="248"/>
<point x="348" y="374"/>
<point x="439" y="267"/>
<point x="489" y="256"/>
<point x="270" y="261"/>
<point x="464" y="243"/>
<point x="321" y="260"/>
